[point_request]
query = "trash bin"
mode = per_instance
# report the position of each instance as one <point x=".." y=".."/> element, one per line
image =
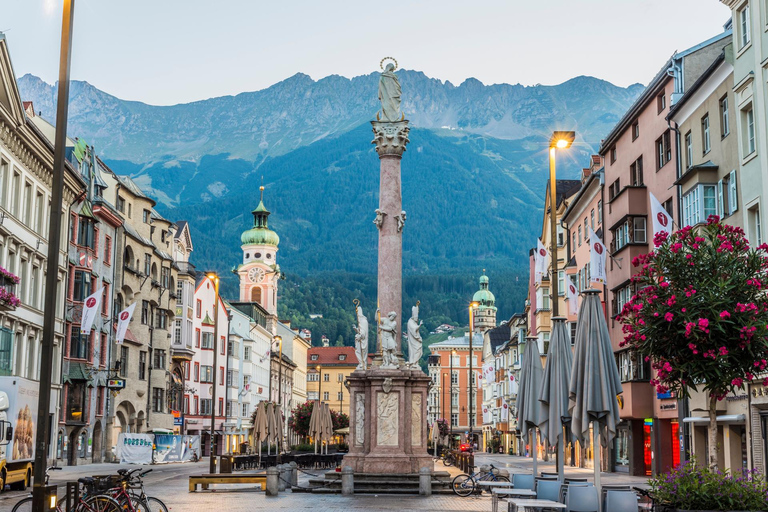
<point x="226" y="463"/>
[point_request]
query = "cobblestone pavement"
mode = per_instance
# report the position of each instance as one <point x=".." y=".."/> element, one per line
<point x="169" y="482"/>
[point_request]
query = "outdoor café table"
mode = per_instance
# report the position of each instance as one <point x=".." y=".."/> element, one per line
<point x="491" y="483"/>
<point x="526" y="505"/>
<point x="498" y="492"/>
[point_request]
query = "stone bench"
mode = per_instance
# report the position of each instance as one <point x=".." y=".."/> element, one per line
<point x="226" y="478"/>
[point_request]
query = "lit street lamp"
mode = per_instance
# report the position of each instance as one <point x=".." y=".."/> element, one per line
<point x="450" y="416"/>
<point x="279" y="340"/>
<point x="319" y="383"/>
<point x="472" y="306"/>
<point x="560" y="140"/>
<point x="215" y="278"/>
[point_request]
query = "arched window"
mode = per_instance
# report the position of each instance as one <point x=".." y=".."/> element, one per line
<point x="128" y="256"/>
<point x="154" y="272"/>
<point x="256" y="294"/>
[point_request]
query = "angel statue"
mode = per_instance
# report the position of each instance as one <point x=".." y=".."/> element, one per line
<point x="400" y="221"/>
<point x="361" y="338"/>
<point x="379" y="220"/>
<point x="389" y="95"/>
<point x="388" y="329"/>
<point x="415" y="346"/>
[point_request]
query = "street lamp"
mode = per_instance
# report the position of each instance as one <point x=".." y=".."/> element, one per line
<point x="450" y="416"/>
<point x="215" y="278"/>
<point x="42" y="439"/>
<point x="559" y="140"/>
<point x="319" y="383"/>
<point x="472" y="306"/>
<point x="279" y="341"/>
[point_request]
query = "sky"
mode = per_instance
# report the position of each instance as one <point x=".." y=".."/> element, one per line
<point x="165" y="52"/>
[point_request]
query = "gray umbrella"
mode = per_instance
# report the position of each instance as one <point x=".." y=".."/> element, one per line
<point x="529" y="414"/>
<point x="595" y="381"/>
<point x="554" y="390"/>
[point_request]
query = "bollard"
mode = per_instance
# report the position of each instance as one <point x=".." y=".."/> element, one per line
<point x="347" y="481"/>
<point x="425" y="482"/>
<point x="273" y="477"/>
<point x="283" y="477"/>
<point x="294" y="473"/>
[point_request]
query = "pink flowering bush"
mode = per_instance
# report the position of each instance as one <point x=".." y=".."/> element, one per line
<point x="700" y="314"/>
<point x="301" y="414"/>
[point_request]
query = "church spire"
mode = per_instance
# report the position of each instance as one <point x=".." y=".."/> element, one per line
<point x="261" y="213"/>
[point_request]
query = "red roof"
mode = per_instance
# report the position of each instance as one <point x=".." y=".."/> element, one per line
<point x="327" y="356"/>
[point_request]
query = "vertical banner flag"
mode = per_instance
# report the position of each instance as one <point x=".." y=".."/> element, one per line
<point x="489" y="373"/>
<point x="123" y="319"/>
<point x="661" y="219"/>
<point x="513" y="386"/>
<point x="597" y="255"/>
<point x="487" y="416"/>
<point x="504" y="412"/>
<point x="90" y="310"/>
<point x="541" y="257"/>
<point x="573" y="297"/>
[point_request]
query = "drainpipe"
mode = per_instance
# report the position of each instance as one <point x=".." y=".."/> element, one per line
<point x="149" y="363"/>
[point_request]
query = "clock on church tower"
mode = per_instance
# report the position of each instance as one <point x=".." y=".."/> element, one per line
<point x="259" y="271"/>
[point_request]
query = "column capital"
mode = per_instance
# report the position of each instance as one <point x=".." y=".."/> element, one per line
<point x="390" y="138"/>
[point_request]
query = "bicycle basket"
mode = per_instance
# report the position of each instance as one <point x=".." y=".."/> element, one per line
<point x="102" y="483"/>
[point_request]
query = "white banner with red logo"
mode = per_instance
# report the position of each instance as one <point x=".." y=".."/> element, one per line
<point x="513" y="386"/>
<point x="489" y="373"/>
<point x="123" y="319"/>
<point x="541" y="260"/>
<point x="573" y="297"/>
<point x="90" y="310"/>
<point x="597" y="257"/>
<point x="504" y="412"/>
<point x="662" y="222"/>
<point x="487" y="415"/>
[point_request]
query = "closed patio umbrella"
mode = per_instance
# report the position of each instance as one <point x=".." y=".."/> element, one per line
<point x="314" y="422"/>
<point x="529" y="413"/>
<point x="327" y="426"/>
<point x="554" y="390"/>
<point x="595" y="381"/>
<point x="260" y="425"/>
<point x="279" y="428"/>
<point x="271" y="426"/>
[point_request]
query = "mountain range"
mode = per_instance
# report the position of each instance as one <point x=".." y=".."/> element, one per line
<point x="474" y="174"/>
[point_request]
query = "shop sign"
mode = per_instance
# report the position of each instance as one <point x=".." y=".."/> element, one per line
<point x="669" y="406"/>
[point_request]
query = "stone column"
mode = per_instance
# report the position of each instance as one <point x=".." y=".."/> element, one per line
<point x="390" y="140"/>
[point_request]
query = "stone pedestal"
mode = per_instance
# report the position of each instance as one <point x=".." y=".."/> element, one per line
<point x="387" y="421"/>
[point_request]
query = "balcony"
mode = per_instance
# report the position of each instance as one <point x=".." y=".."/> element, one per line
<point x="75" y="405"/>
<point x="631" y="200"/>
<point x="8" y="299"/>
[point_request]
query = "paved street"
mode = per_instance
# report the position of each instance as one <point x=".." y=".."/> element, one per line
<point x="169" y="482"/>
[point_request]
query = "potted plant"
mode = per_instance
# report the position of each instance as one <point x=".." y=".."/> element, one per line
<point x="692" y="488"/>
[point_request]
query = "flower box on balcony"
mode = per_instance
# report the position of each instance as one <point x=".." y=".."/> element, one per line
<point x="8" y="299"/>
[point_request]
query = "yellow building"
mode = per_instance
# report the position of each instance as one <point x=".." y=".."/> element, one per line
<point x="327" y="369"/>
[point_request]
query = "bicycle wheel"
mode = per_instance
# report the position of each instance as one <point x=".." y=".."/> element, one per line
<point x="501" y="479"/>
<point x="24" y="505"/>
<point x="151" y="504"/>
<point x="448" y="460"/>
<point x="463" y="485"/>
<point x="98" y="503"/>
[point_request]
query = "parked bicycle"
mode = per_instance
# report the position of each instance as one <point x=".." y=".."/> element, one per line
<point x="87" y="502"/>
<point x="129" y="492"/>
<point x="449" y="459"/>
<point x="464" y="485"/>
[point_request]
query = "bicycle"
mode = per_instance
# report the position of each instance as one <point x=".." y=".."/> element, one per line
<point x="649" y="502"/>
<point x="449" y="459"/>
<point x="127" y="496"/>
<point x="464" y="485"/>
<point x="88" y="502"/>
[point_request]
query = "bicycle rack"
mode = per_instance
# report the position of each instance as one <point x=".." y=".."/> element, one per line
<point x="73" y="496"/>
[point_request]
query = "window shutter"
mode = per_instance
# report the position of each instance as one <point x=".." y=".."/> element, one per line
<point x="720" y="204"/>
<point x="733" y="201"/>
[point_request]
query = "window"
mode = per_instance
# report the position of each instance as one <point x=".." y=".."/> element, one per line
<point x="733" y="197"/>
<point x="725" y="128"/>
<point x="208" y="340"/>
<point x="614" y="189"/>
<point x="636" y="172"/>
<point x="79" y="343"/>
<point x="142" y="365"/>
<point x="100" y="401"/>
<point x="197" y="338"/>
<point x="580" y="237"/>
<point x="158" y="361"/>
<point x="158" y="399"/>
<point x="599" y="212"/>
<point x="544" y="298"/>
<point x="146" y="216"/>
<point x="40" y="213"/>
<point x="105" y="299"/>
<point x="28" y="203"/>
<point x="574" y="241"/>
<point x="206" y="374"/>
<point x="661" y="103"/>
<point x="621" y="297"/>
<point x="667" y="205"/>
<point x="145" y="313"/>
<point x="454" y="419"/>
<point x="205" y="407"/>
<point x="161" y="319"/>
<point x="744" y="28"/>
<point x="632" y="230"/>
<point x="632" y="366"/>
<point x="165" y="277"/>
<point x="635" y="130"/>
<point x="197" y="372"/>
<point x="177" y="332"/>
<point x="147" y="264"/>
<point x="699" y="203"/>
<point x="85" y="232"/>
<point x="6" y="351"/>
<point x="560" y="282"/>
<point x="120" y="204"/>
<point x="313" y="357"/>
<point x="755" y="226"/>
<point x="246" y="353"/>
<point x="613" y="155"/>
<point x="592" y="218"/>
<point x="326" y="377"/>
<point x="123" y="361"/>
<point x="705" y="139"/>
<point x="663" y="150"/>
<point x="749" y="131"/>
<point x="339" y="396"/>
<point x="198" y="308"/>
<point x="326" y="395"/>
<point x="82" y="285"/>
<point x="455" y="399"/>
<point x="688" y="150"/>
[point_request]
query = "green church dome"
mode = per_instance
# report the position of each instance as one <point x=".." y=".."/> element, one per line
<point x="260" y="234"/>
<point x="483" y="296"/>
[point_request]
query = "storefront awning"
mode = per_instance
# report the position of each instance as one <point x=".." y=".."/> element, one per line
<point x="725" y="418"/>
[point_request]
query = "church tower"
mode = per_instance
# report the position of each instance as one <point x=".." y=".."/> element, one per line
<point x="259" y="272"/>
<point x="485" y="311"/>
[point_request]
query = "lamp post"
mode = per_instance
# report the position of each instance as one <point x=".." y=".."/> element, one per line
<point x="215" y="278"/>
<point x="450" y="417"/>
<point x="472" y="306"/>
<point x="41" y="492"/>
<point x="279" y="340"/>
<point x="442" y="382"/>
<point x="559" y="140"/>
<point x="319" y="383"/>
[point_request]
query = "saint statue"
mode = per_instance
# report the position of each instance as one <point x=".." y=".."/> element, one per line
<point x="415" y="346"/>
<point x="361" y="339"/>
<point x="389" y="95"/>
<point x="388" y="329"/>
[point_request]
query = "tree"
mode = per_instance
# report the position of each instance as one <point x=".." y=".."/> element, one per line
<point x="301" y="414"/>
<point x="700" y="315"/>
